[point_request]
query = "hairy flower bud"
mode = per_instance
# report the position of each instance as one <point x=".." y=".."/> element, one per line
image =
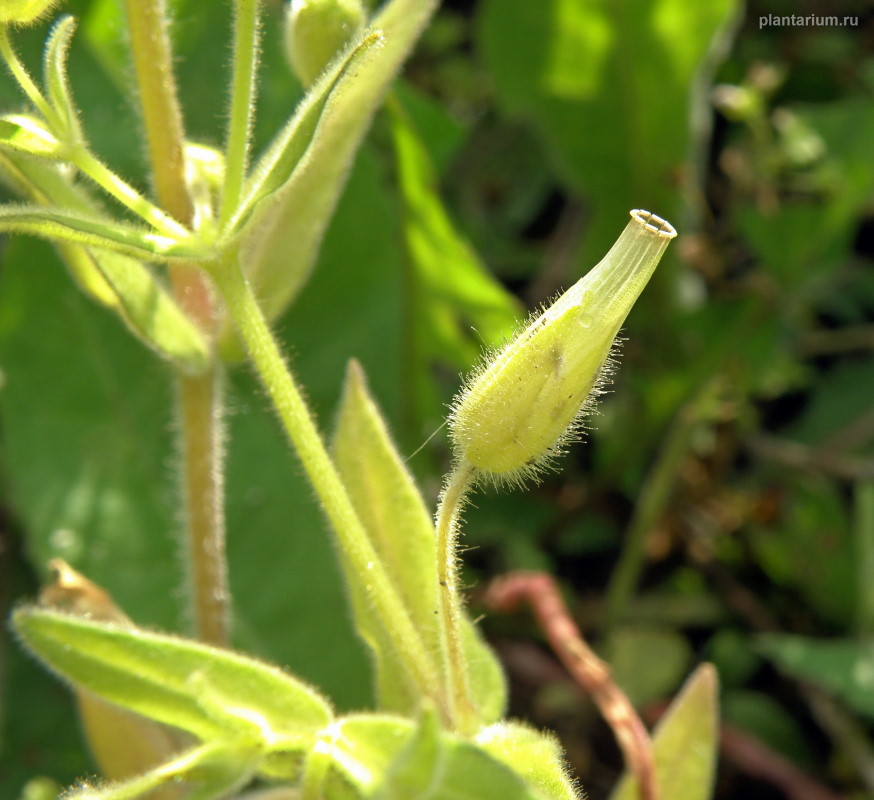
<point x="316" y="30"/>
<point x="24" y="12"/>
<point x="516" y="411"/>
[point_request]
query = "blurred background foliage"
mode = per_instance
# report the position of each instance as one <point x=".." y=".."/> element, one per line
<point x="722" y="507"/>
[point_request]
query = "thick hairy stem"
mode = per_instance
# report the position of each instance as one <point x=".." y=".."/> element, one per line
<point x="301" y="429"/>
<point x="200" y="398"/>
<point x="540" y="591"/>
<point x="455" y="668"/>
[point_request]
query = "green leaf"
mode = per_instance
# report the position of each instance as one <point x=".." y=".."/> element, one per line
<point x="94" y="231"/>
<point x="56" y="81"/>
<point x="203" y="690"/>
<point x="400" y="527"/>
<point x="439" y="765"/>
<point x="456" y="305"/>
<point x="608" y="86"/>
<point x="685" y="743"/>
<point x="842" y="666"/>
<point x="296" y="185"/>
<point x="211" y="771"/>
<point x="112" y="279"/>
<point x="536" y="756"/>
<point x="27" y="135"/>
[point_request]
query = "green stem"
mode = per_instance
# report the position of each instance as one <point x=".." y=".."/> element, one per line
<point x="201" y="399"/>
<point x="242" y="104"/>
<point x="22" y="76"/>
<point x="301" y="430"/>
<point x="448" y="513"/>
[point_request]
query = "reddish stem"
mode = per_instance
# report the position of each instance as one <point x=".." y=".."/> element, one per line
<point x="540" y="591"/>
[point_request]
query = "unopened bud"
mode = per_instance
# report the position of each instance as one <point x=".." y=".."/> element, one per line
<point x="24" y="12"/>
<point x="516" y="411"/>
<point x="316" y="30"/>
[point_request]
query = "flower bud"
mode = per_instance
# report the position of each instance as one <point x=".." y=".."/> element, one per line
<point x="316" y="30"/>
<point x="516" y="411"/>
<point x="24" y="12"/>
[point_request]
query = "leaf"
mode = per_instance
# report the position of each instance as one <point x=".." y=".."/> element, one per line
<point x="842" y="666"/>
<point x="685" y="743"/>
<point x="400" y="528"/>
<point x="283" y="236"/>
<point x="27" y="135"/>
<point x="94" y="231"/>
<point x="438" y="765"/>
<point x="114" y="280"/>
<point x="209" y="692"/>
<point x="457" y="306"/>
<point x="536" y="756"/>
<point x="609" y="88"/>
<point x="57" y="84"/>
<point x="209" y="772"/>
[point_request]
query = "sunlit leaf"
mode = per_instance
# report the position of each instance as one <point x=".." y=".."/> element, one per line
<point x="208" y="772"/>
<point x="534" y="755"/>
<point x="57" y="84"/>
<point x="22" y="134"/>
<point x="685" y="743"/>
<point x="296" y="185"/>
<point x="201" y="689"/>
<point x="115" y="280"/>
<point x="402" y="532"/>
<point x="390" y="758"/>
<point x="79" y="228"/>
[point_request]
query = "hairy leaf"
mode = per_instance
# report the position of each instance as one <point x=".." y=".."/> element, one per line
<point x="536" y="756"/>
<point x="400" y="527"/>
<point x="57" y="84"/>
<point x="93" y="231"/>
<point x="112" y="279"/>
<point x="438" y="765"/>
<point x="296" y="185"/>
<point x="27" y="135"/>
<point x="206" y="691"/>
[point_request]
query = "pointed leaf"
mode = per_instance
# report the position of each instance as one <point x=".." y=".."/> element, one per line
<point x="203" y="690"/>
<point x="94" y="231"/>
<point x="284" y="235"/>
<point x="685" y="743"/>
<point x="23" y="134"/>
<point x="400" y="527"/>
<point x="208" y="772"/>
<point x="536" y="756"/>
<point x="112" y="279"/>
<point x="55" y="73"/>
<point x="436" y="764"/>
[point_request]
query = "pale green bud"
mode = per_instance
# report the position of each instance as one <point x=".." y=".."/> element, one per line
<point x="24" y="12"/>
<point x="316" y="30"/>
<point x="517" y="410"/>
